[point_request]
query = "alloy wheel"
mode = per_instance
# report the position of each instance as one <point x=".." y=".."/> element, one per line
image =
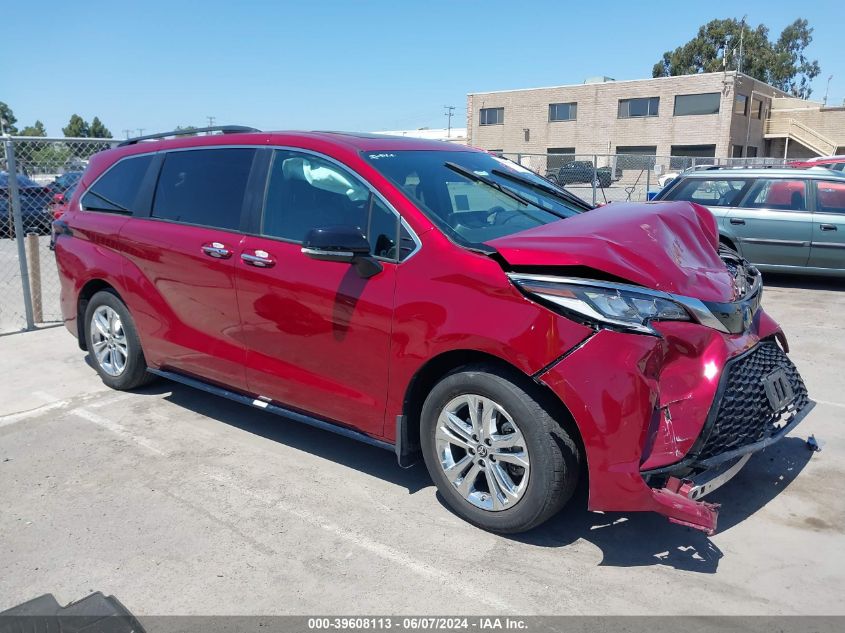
<point x="482" y="452"/>
<point x="108" y="339"/>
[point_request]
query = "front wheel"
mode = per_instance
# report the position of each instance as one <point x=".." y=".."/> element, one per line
<point x="113" y="342"/>
<point x="496" y="453"/>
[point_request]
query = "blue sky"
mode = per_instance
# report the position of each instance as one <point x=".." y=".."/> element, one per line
<point x="343" y="65"/>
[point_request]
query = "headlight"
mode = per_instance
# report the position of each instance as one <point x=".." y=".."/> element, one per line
<point x="617" y="305"/>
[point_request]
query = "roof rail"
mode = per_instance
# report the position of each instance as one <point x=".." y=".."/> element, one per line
<point x="225" y="129"/>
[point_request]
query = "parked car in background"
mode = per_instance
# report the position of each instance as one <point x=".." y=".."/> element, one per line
<point x="59" y="201"/>
<point x="35" y="213"/>
<point x="781" y="220"/>
<point x="436" y="301"/>
<point x="64" y="182"/>
<point x="836" y="163"/>
<point x="578" y="171"/>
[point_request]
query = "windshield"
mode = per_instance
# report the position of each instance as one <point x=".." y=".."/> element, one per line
<point x="474" y="197"/>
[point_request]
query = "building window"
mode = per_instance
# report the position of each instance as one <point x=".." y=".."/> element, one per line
<point x="741" y="105"/>
<point x="563" y="111"/>
<point x="638" y="157"/>
<point x="757" y="108"/>
<point x="698" y="151"/>
<point x="751" y="151"/>
<point x="689" y="105"/>
<point x="631" y="108"/>
<point x="736" y="151"/>
<point x="492" y="116"/>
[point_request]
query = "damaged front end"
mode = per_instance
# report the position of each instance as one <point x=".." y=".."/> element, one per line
<point x="683" y="407"/>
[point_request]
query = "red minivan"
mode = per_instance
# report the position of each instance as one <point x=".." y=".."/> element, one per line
<point x="438" y="301"/>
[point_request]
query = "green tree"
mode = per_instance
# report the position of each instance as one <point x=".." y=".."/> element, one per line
<point x="187" y="130"/>
<point x="780" y="63"/>
<point x="9" y="119"/>
<point x="77" y="126"/>
<point x="98" y="130"/>
<point x="37" y="129"/>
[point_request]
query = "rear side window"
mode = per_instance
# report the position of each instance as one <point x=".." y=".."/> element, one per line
<point x="116" y="191"/>
<point x="777" y="193"/>
<point x="204" y="187"/>
<point x="830" y="196"/>
<point x="712" y="193"/>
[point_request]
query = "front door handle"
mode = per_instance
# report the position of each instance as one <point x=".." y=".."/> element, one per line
<point x="216" y="250"/>
<point x="827" y="227"/>
<point x="261" y="259"/>
<point x="737" y="221"/>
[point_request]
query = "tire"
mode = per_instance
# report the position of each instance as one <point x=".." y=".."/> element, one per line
<point x="551" y="455"/>
<point x="123" y="344"/>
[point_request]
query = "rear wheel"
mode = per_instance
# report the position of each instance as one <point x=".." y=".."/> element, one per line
<point x="498" y="457"/>
<point x="113" y="342"/>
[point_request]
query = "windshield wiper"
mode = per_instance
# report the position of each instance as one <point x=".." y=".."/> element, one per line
<point x="493" y="184"/>
<point x="557" y="193"/>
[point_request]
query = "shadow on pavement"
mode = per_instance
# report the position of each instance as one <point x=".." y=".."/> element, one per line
<point x="632" y="539"/>
<point x="342" y="450"/>
<point x="636" y="539"/>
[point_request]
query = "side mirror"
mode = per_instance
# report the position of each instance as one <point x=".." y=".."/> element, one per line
<point x="345" y="244"/>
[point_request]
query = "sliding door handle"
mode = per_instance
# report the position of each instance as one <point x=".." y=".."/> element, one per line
<point x="216" y="250"/>
<point x="261" y="259"/>
<point x="827" y="227"/>
<point x="738" y="221"/>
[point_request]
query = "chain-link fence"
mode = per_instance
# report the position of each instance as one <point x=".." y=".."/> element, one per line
<point x="602" y="178"/>
<point x="46" y="171"/>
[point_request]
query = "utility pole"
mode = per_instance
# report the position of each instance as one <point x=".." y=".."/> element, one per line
<point x="141" y="131"/>
<point x="827" y="90"/>
<point x="741" y="36"/>
<point x="211" y="120"/>
<point x="127" y="132"/>
<point x="449" y="115"/>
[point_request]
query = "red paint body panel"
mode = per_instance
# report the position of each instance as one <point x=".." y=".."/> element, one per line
<point x="670" y="248"/>
<point x="449" y="299"/>
<point x="183" y="301"/>
<point x="614" y="414"/>
<point x="317" y="335"/>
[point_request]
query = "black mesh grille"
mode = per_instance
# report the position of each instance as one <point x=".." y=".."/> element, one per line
<point x="744" y="415"/>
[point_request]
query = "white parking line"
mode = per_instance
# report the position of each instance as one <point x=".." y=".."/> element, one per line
<point x="117" y="429"/>
<point x="386" y="552"/>
<point x="832" y="404"/>
<point x="20" y="416"/>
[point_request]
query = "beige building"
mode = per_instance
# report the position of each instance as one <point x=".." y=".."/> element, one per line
<point x="705" y="115"/>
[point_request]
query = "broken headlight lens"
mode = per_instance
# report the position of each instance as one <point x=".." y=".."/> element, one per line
<point x="616" y="305"/>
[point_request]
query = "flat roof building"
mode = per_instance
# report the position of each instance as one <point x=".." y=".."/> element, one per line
<point x="705" y="115"/>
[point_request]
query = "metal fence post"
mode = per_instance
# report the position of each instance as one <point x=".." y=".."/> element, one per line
<point x="595" y="177"/>
<point x="15" y="202"/>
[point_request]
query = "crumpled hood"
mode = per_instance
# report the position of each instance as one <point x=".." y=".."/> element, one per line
<point x="668" y="246"/>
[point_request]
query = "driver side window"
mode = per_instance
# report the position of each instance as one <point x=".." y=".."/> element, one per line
<point x="305" y="192"/>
